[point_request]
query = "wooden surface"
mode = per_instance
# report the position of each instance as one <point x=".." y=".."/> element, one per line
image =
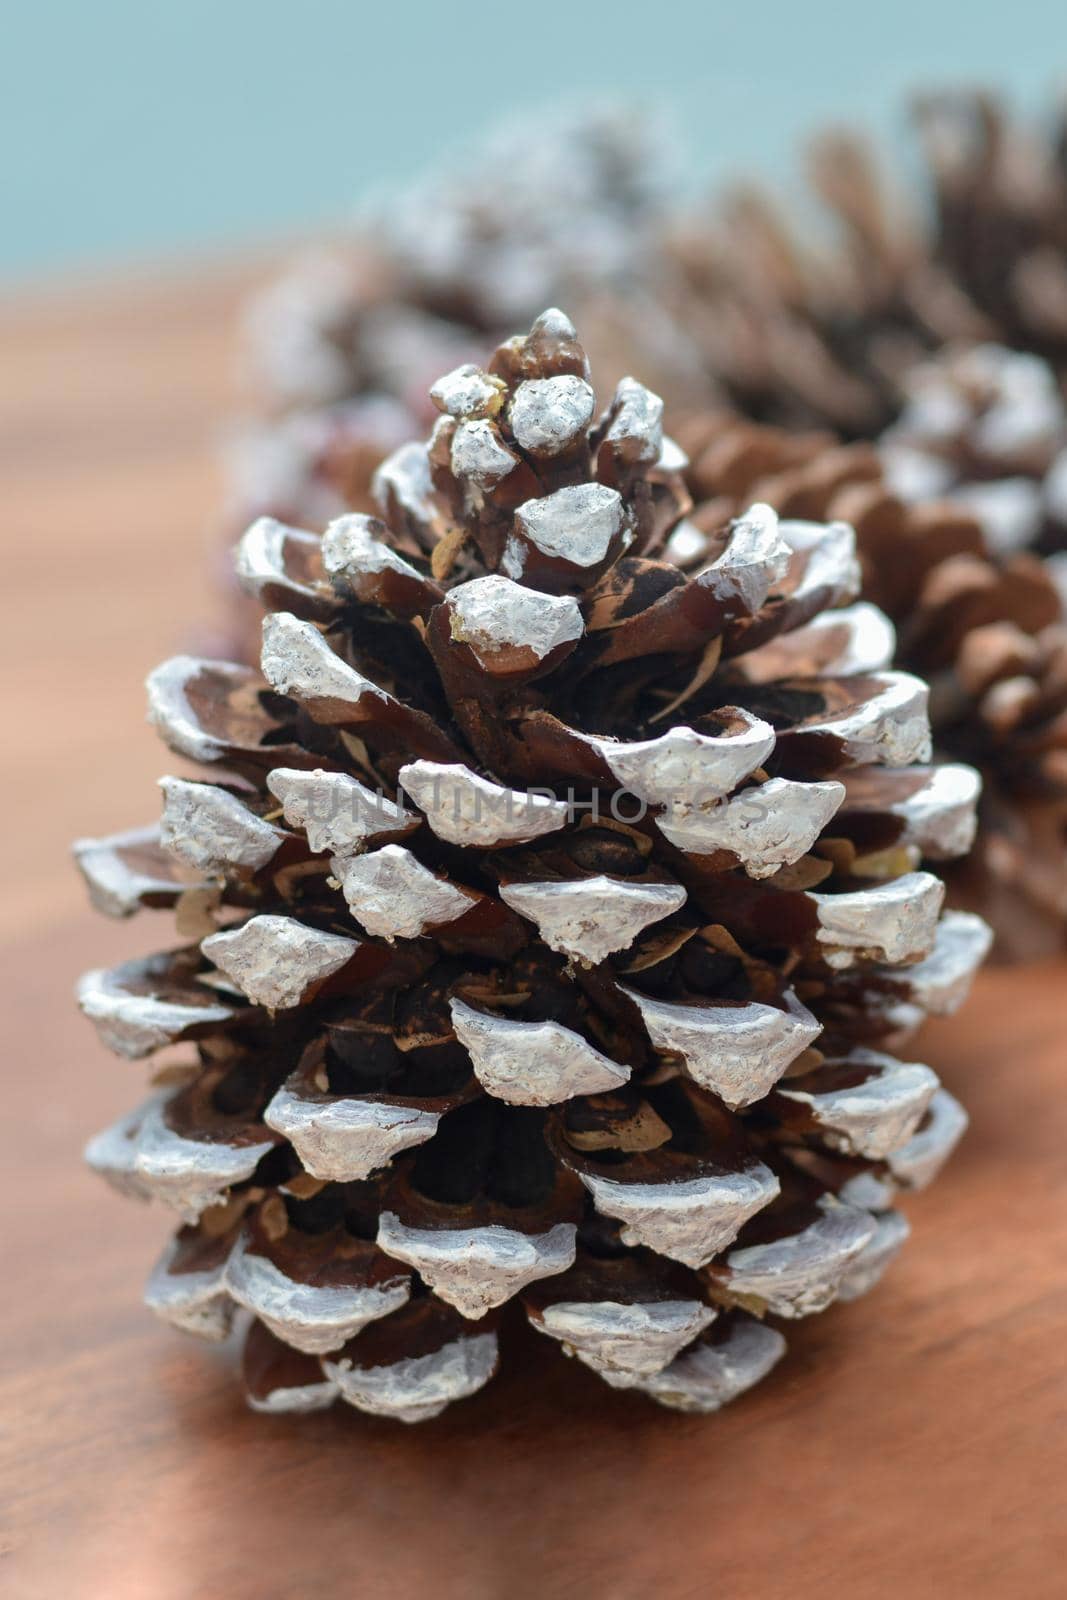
<point x="911" y="1445"/>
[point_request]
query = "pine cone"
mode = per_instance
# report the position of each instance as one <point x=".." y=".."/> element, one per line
<point x="551" y="918"/>
<point x="559" y="205"/>
<point x="945" y="347"/>
<point x="810" y="337"/>
<point x="983" y="628"/>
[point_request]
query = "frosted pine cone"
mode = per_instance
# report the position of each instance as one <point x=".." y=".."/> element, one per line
<point x="558" y="205"/>
<point x="901" y="335"/>
<point x="982" y="626"/>
<point x="944" y="345"/>
<point x="552" y="919"/>
<point x="810" y="336"/>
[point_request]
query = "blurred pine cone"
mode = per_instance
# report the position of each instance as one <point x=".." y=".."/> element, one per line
<point x="816" y="335"/>
<point x="943" y="344"/>
<point x="595" y="1012"/>
<point x="984" y="629"/>
<point x="564" y="205"/>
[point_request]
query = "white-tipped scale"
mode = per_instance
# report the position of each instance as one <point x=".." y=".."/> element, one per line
<point x="548" y="415"/>
<point x="623" y="1341"/>
<point x="894" y="921"/>
<point x="117" y="887"/>
<point x="685" y="766"/>
<point x="474" y="1269"/>
<point x="857" y="639"/>
<point x="197" y="1302"/>
<point x="468" y="391"/>
<point x="171" y="713"/>
<point x="344" y="1139"/>
<point x="891" y="727"/>
<point x="493" y="615"/>
<point x="213" y="831"/>
<point x="767" y="826"/>
<point x="754" y="559"/>
<point x="637" y="420"/>
<point x="940" y="817"/>
<point x="297" y="660"/>
<point x="590" y="918"/>
<point x="578" y="524"/>
<point x="294" y="1398"/>
<point x="875" y="1117"/>
<point x="800" y="1274"/>
<point x="552" y="324"/>
<point x="532" y="1063"/>
<point x="416" y="1388"/>
<point x="687" y="544"/>
<point x="832" y="565"/>
<point x="480" y="456"/>
<point x="260" y="557"/>
<point x="870" y="1190"/>
<point x="394" y="896"/>
<point x="314" y="1318"/>
<point x="133" y="1025"/>
<point x="351" y="551"/>
<point x="671" y="458"/>
<point x="689" y="1220"/>
<point x="142" y="1156"/>
<point x="336" y="812"/>
<point x="917" y="1163"/>
<point x="464" y="808"/>
<point x="112" y="1153"/>
<point x="275" y="961"/>
<point x="891" y="1232"/>
<point x="708" y="1376"/>
<point x="404" y="479"/>
<point x="737" y="1051"/>
<point x="939" y="984"/>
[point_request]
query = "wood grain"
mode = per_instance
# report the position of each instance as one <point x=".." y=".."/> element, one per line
<point x="911" y="1445"/>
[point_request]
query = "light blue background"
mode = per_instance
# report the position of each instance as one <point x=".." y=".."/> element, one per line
<point x="135" y="129"/>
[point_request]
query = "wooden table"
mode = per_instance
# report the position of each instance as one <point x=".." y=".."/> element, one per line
<point x="913" y="1443"/>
